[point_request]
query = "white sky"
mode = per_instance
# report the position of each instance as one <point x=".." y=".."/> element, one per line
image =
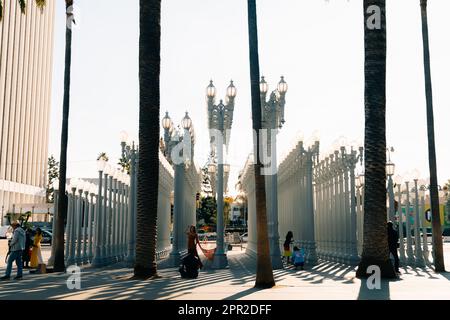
<point x="317" y="45"/>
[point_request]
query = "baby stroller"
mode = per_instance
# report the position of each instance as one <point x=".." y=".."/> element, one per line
<point x="189" y="267"/>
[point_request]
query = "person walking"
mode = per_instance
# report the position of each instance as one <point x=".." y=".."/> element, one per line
<point x="36" y="255"/>
<point x="287" y="246"/>
<point x="16" y="248"/>
<point x="393" y="244"/>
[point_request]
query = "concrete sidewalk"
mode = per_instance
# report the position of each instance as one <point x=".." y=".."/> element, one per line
<point x="326" y="281"/>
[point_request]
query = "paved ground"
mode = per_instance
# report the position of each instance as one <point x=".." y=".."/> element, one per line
<point x="327" y="281"/>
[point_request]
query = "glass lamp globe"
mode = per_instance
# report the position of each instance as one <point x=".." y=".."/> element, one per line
<point x="166" y="122"/>
<point x="74" y="183"/>
<point x="263" y="86"/>
<point x="282" y="86"/>
<point x="211" y="90"/>
<point x="212" y="168"/>
<point x="358" y="182"/>
<point x="361" y="179"/>
<point x="101" y="163"/>
<point x="231" y="90"/>
<point x="93" y="189"/>
<point x="186" y="122"/>
<point x="123" y="136"/>
<point x="55" y="184"/>
<point x="390" y="169"/>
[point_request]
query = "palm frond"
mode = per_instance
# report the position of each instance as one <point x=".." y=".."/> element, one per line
<point x="40" y="4"/>
<point x="23" y="5"/>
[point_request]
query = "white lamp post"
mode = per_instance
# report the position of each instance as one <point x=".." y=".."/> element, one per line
<point x="417" y="246"/>
<point x="220" y="118"/>
<point x="409" y="250"/>
<point x="185" y="132"/>
<point x="390" y="170"/>
<point x="273" y="119"/>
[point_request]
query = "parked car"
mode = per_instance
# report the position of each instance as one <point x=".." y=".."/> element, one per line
<point x="47" y="236"/>
<point x="244" y="237"/>
<point x="6" y="232"/>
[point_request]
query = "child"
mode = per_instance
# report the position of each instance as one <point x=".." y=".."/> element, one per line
<point x="298" y="258"/>
<point x="287" y="246"/>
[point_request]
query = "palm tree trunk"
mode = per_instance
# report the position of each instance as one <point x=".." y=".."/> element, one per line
<point x="264" y="275"/>
<point x="439" y="265"/>
<point x="61" y="215"/>
<point x="148" y="169"/>
<point x="375" y="244"/>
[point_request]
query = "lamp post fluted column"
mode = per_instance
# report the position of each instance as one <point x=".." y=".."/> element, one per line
<point x="220" y="119"/>
<point x="96" y="261"/>
<point x="417" y="245"/>
<point x="273" y="119"/>
<point x="409" y="250"/>
<point x="400" y="225"/>
<point x="131" y="237"/>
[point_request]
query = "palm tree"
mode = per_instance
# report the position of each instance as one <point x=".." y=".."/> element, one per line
<point x="61" y="215"/>
<point x="147" y="188"/>
<point x="264" y="275"/>
<point x="439" y="265"/>
<point x="22" y="4"/>
<point x="375" y="244"/>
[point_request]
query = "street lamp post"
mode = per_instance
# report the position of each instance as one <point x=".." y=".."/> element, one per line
<point x="350" y="160"/>
<point x="220" y="119"/>
<point x="417" y="246"/>
<point x="130" y="154"/>
<point x="97" y="260"/>
<point x="180" y="159"/>
<point x="400" y="220"/>
<point x="272" y="121"/>
<point x="390" y="169"/>
<point x="422" y="191"/>
<point x="409" y="249"/>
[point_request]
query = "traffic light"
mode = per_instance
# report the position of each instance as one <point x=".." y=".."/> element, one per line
<point x="197" y="196"/>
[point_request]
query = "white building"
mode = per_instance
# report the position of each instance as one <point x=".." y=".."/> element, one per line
<point x="26" y="52"/>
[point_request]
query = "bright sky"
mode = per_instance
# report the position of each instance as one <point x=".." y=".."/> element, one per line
<point x="317" y="45"/>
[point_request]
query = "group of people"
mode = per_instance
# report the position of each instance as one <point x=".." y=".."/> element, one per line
<point x="297" y="256"/>
<point x="24" y="251"/>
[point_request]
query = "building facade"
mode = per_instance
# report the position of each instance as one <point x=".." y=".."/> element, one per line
<point x="26" y="52"/>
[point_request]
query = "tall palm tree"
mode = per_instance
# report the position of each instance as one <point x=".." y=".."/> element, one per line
<point x="439" y="265"/>
<point x="22" y="3"/>
<point x="147" y="188"/>
<point x="61" y="214"/>
<point x="264" y="274"/>
<point x="375" y="244"/>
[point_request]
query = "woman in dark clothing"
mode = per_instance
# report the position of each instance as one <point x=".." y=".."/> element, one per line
<point x="393" y="244"/>
<point x="192" y="242"/>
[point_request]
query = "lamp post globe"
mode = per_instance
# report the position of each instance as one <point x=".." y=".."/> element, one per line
<point x="390" y="169"/>
<point x="123" y="136"/>
<point x="212" y="168"/>
<point x="211" y="90"/>
<point x="101" y="163"/>
<point x="166" y="122"/>
<point x="186" y="123"/>
<point x="263" y="86"/>
<point x="231" y="90"/>
<point x="282" y="86"/>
